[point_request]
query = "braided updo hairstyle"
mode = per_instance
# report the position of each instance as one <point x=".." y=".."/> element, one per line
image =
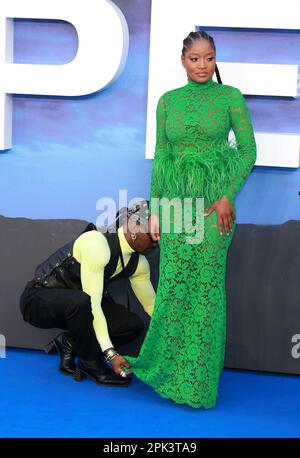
<point x="199" y="36"/>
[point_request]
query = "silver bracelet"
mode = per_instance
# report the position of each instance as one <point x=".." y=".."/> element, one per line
<point x="110" y="354"/>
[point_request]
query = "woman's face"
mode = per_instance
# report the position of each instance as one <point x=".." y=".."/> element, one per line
<point x="199" y="61"/>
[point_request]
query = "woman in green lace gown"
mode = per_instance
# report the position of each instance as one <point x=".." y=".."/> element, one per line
<point x="182" y="356"/>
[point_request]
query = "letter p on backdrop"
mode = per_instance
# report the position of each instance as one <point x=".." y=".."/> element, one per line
<point x="94" y="21"/>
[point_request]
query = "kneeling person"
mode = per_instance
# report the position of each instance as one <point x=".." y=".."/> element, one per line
<point x="69" y="292"/>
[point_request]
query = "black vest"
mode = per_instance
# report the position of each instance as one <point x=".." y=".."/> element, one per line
<point x="61" y="270"/>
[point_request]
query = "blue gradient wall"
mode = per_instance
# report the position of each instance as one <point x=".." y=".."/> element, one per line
<point x="69" y="152"/>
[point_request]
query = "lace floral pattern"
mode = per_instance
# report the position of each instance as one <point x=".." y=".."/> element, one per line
<point x="182" y="356"/>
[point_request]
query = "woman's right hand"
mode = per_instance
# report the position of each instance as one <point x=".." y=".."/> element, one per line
<point x="154" y="228"/>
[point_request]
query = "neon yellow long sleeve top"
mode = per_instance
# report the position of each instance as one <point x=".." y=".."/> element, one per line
<point x="92" y="251"/>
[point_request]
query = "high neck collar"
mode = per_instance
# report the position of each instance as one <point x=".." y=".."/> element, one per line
<point x="200" y="86"/>
<point x="125" y="247"/>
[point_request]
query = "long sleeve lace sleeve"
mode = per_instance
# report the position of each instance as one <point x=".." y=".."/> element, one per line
<point x="160" y="148"/>
<point x="243" y="130"/>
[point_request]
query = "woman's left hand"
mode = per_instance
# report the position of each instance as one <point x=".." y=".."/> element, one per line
<point x="225" y="214"/>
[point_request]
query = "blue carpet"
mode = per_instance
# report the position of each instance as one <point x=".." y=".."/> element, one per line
<point x="37" y="401"/>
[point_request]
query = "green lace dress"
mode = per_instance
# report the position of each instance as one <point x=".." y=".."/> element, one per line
<point x="182" y="356"/>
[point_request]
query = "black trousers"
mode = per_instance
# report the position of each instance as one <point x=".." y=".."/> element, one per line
<point x="71" y="310"/>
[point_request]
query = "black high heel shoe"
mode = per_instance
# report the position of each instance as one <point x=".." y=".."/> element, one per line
<point x="64" y="345"/>
<point x="99" y="372"/>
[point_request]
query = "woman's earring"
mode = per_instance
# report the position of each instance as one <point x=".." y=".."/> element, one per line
<point x="133" y="237"/>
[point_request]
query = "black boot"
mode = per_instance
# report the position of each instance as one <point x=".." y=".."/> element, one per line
<point x="99" y="372"/>
<point x="64" y="345"/>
